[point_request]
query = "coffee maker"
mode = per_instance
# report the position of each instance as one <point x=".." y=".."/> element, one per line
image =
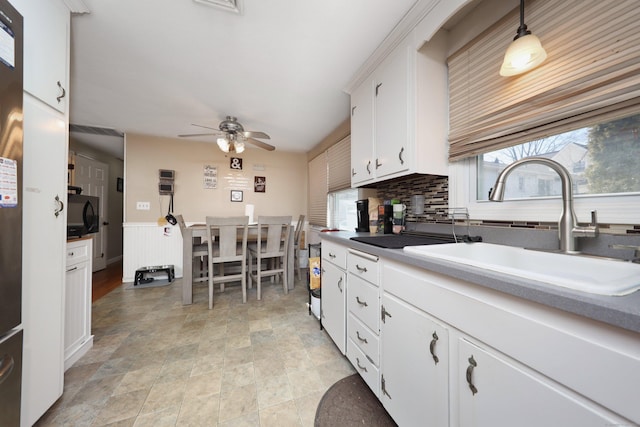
<point x="362" y="210"/>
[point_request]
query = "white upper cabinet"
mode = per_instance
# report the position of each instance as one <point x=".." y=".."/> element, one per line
<point x="46" y="40"/>
<point x="399" y="109"/>
<point x="362" y="128"/>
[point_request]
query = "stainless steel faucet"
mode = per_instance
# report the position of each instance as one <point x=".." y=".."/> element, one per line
<point x="567" y="229"/>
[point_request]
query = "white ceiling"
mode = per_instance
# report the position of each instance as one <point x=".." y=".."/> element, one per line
<point x="281" y="66"/>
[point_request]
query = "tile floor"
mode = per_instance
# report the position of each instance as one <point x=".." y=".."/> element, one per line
<point x="156" y="362"/>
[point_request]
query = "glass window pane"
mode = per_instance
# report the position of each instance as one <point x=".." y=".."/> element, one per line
<point x="602" y="159"/>
<point x="342" y="209"/>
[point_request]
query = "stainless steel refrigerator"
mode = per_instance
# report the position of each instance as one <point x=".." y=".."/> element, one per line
<point x="11" y="75"/>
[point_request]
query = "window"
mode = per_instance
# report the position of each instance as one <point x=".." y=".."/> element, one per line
<point x="603" y="160"/>
<point x="342" y="209"/>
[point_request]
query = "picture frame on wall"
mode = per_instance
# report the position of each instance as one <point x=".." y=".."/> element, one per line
<point x="260" y="184"/>
<point x="236" y="195"/>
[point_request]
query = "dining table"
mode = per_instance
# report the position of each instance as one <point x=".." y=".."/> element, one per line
<point x="196" y="233"/>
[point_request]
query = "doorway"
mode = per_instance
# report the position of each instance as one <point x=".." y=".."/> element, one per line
<point x="92" y="176"/>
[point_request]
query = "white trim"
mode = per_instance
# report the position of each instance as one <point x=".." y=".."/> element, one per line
<point x="611" y="209"/>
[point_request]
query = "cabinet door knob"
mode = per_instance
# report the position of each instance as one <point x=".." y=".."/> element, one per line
<point x="378" y="87"/>
<point x="378" y="164"/>
<point x="340" y="284"/>
<point x="369" y="167"/>
<point x="400" y="156"/>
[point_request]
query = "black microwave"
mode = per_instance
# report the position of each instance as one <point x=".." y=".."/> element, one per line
<point x="82" y="215"/>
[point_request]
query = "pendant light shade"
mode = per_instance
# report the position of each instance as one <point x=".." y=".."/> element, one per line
<point x="524" y="53"/>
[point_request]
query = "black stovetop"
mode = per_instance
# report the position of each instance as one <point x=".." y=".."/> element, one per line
<point x="398" y="241"/>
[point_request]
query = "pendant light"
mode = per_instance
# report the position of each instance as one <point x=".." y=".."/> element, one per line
<point x="524" y="53"/>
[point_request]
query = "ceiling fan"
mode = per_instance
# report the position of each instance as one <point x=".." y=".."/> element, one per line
<point x="233" y="136"/>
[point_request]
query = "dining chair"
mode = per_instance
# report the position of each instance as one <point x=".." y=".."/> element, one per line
<point x="199" y="251"/>
<point x="296" y="245"/>
<point x="227" y="243"/>
<point x="270" y="251"/>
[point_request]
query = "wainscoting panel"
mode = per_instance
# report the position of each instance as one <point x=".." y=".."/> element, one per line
<point x="148" y="244"/>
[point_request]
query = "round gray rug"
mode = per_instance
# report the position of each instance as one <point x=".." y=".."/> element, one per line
<point x="350" y="402"/>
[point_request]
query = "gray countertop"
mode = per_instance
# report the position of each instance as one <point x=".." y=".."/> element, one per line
<point x="620" y="311"/>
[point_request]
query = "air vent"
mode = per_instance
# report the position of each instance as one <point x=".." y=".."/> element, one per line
<point x="228" y="5"/>
<point x="94" y="130"/>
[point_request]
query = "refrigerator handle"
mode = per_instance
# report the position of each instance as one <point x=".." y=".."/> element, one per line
<point x="6" y="366"/>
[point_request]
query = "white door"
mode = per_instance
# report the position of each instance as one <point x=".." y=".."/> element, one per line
<point x="43" y="255"/>
<point x="92" y="176"/>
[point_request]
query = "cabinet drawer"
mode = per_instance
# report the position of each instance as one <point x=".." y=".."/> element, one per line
<point x="364" y="367"/>
<point x="77" y="252"/>
<point x="335" y="253"/>
<point x="364" y="338"/>
<point x="363" y="265"/>
<point x="363" y="301"/>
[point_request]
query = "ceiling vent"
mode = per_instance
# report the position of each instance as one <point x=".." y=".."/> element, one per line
<point x="233" y="6"/>
<point x="94" y="130"/>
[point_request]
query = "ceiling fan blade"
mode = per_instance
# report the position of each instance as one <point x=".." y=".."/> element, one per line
<point x="206" y="127"/>
<point x="198" y="134"/>
<point x="261" y="144"/>
<point x="255" y="134"/>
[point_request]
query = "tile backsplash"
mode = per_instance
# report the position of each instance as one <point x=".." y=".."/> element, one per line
<point x="435" y="188"/>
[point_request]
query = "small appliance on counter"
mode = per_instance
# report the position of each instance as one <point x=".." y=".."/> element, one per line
<point x="385" y="219"/>
<point x="362" y="210"/>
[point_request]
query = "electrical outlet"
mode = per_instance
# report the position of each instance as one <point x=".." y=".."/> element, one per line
<point x="143" y="206"/>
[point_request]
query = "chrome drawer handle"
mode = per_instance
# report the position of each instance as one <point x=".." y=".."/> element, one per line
<point x="363" y="303"/>
<point x="363" y="368"/>
<point x="361" y="269"/>
<point x="364" y="340"/>
<point x="332" y="255"/>
<point x="340" y="284"/>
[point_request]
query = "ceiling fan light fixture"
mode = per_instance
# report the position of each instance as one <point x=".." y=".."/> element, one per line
<point x="524" y="53"/>
<point x="239" y="146"/>
<point x="224" y="144"/>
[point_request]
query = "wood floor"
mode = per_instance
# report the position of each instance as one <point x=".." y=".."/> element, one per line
<point x="104" y="281"/>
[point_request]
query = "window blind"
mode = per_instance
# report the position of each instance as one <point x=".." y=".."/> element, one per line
<point x="339" y="165"/>
<point x="318" y="189"/>
<point x="592" y="73"/>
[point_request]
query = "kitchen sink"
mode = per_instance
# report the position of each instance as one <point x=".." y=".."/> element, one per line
<point x="578" y="272"/>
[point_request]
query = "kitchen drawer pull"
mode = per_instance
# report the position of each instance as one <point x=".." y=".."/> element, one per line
<point x="400" y="156"/>
<point x="369" y="167"/>
<point x="340" y="284"/>
<point x="361" y="269"/>
<point x="472" y="365"/>
<point x="332" y="255"/>
<point x="362" y="368"/>
<point x="432" y="347"/>
<point x="363" y="303"/>
<point x="72" y="268"/>
<point x="364" y="340"/>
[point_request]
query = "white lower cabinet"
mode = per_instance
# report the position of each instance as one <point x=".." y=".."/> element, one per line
<point x="415" y="365"/>
<point x="333" y="303"/>
<point x="501" y="360"/>
<point x="495" y="391"/>
<point x="77" y="310"/>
